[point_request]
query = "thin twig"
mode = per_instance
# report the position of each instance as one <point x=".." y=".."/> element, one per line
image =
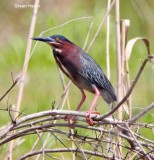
<point x="142" y="151"/>
<point x="64" y="150"/>
<point x="100" y="26"/>
<point x="48" y="30"/>
<point x="136" y="117"/>
<point x="87" y="37"/>
<point x="11" y="87"/>
<point x="43" y="126"/>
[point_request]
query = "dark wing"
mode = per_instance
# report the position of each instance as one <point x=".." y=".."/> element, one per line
<point x="93" y="73"/>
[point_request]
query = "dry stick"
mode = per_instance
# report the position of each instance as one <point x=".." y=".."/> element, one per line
<point x="27" y="54"/>
<point x="143" y="138"/>
<point x="108" y="59"/>
<point x="91" y="141"/>
<point x="82" y="151"/>
<point x="64" y="95"/>
<point x="139" y="145"/>
<point x="129" y="91"/>
<point x="34" y="145"/>
<point x="119" y="67"/>
<point x="87" y="37"/>
<point x="108" y="41"/>
<point x="123" y="43"/>
<point x="42" y="127"/>
<point x="64" y="86"/>
<point x="136" y="117"/>
<point x="25" y="66"/>
<point x="122" y="127"/>
<point x="32" y="117"/>
<point x="47" y="119"/>
<point x="123" y="84"/>
<point x="144" y="125"/>
<point x="135" y="145"/>
<point x="59" y="150"/>
<point x="11" y="87"/>
<point x="55" y="116"/>
<point x="61" y="142"/>
<point x="19" y="124"/>
<point x="39" y="137"/>
<point x="118" y="55"/>
<point x="72" y="20"/>
<point x="83" y="138"/>
<point x="67" y="91"/>
<point x="100" y="26"/>
<point x="126" y="24"/>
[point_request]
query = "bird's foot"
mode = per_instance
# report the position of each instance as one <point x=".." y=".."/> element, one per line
<point x="88" y="117"/>
<point x="71" y="119"/>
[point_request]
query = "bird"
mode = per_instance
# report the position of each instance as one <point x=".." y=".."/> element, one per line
<point x="82" y="70"/>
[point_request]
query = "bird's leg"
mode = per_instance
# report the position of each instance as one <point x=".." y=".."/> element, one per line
<point x="82" y="100"/>
<point x="88" y="117"/>
<point x="70" y="117"/>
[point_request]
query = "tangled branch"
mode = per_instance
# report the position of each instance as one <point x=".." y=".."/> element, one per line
<point x="99" y="139"/>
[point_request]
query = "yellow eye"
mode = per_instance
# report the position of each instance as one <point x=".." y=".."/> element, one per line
<point x="57" y="39"/>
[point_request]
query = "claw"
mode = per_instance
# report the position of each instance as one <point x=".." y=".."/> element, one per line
<point x="89" y="119"/>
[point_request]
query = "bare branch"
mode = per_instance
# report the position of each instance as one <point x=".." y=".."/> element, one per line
<point x="64" y="150"/>
<point x="129" y="91"/>
<point x="141" y="150"/>
<point x="11" y="87"/>
<point x="136" y="117"/>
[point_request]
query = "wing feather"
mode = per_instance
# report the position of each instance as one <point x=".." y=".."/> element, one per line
<point x="93" y="73"/>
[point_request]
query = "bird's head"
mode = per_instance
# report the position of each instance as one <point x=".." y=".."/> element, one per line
<point x="58" y="42"/>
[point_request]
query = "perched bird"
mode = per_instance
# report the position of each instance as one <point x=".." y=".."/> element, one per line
<point x="82" y="70"/>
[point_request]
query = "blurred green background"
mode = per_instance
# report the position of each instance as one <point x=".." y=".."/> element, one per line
<point x="43" y="85"/>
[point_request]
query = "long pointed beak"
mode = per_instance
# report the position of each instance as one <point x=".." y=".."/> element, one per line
<point x="44" y="39"/>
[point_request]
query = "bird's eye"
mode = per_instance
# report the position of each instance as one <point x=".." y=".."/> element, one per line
<point x="57" y="39"/>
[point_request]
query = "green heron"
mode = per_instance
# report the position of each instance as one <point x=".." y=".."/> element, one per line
<point x="82" y="70"/>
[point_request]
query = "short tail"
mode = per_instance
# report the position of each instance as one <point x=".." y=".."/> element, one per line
<point x="109" y="97"/>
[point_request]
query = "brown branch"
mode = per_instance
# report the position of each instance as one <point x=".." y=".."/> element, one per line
<point x="129" y="91"/>
<point x="53" y="115"/>
<point x="41" y="122"/>
<point x="60" y="150"/>
<point x="41" y="127"/>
